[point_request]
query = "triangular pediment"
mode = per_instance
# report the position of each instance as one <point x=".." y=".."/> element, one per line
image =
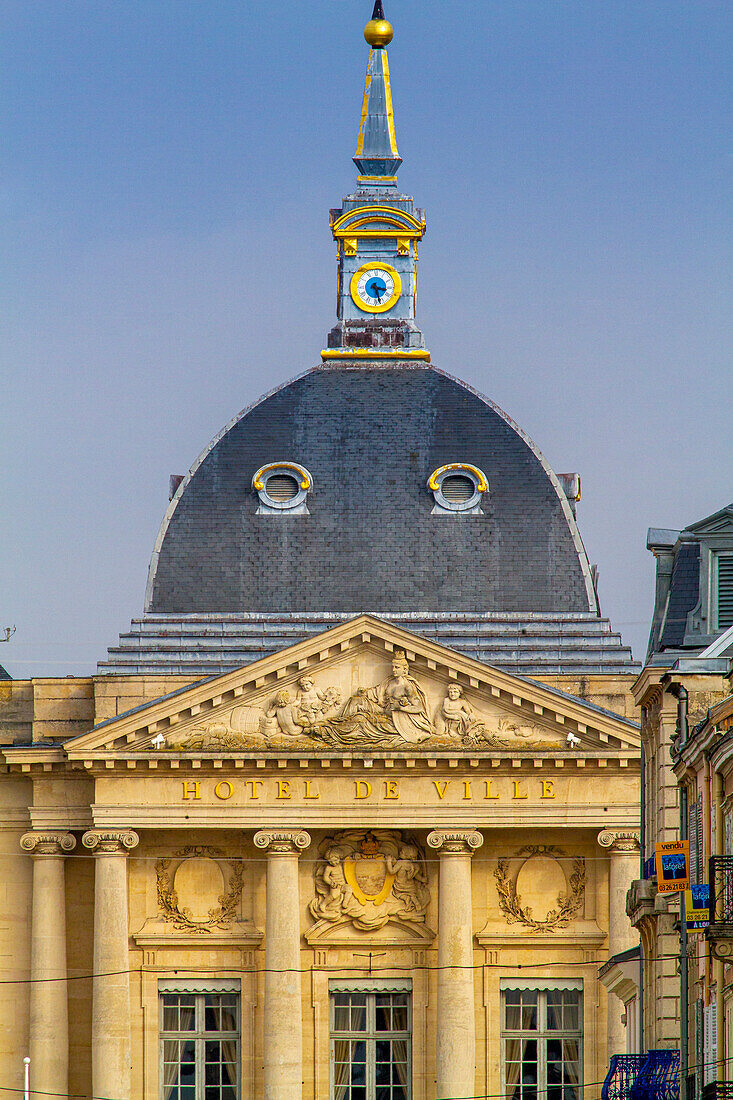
<point x="363" y="687"/>
<point x="720" y="522"/>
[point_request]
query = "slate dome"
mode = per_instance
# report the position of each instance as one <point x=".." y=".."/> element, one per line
<point x="370" y="437"/>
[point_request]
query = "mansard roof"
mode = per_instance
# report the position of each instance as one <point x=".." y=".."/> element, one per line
<point x="371" y="438"/>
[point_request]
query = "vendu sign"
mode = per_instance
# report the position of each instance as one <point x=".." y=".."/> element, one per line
<point x="673" y="866"/>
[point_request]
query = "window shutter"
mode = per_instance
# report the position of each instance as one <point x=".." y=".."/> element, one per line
<point x="711" y="1042"/>
<point x="725" y="591"/>
<point x="696" y="867"/>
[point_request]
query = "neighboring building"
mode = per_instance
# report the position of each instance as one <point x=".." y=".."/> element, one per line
<point x="685" y="675"/>
<point x="351" y="811"/>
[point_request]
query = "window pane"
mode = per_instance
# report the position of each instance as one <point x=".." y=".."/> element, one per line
<point x="383" y="1073"/>
<point x="529" y="1012"/>
<point x="384" y="1050"/>
<point x="341" y="1017"/>
<point x="170" y="1018"/>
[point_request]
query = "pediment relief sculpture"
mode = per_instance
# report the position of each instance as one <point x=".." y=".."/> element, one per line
<point x="540" y="888"/>
<point x="399" y="711"/>
<point x="192" y="891"/>
<point x="369" y="879"/>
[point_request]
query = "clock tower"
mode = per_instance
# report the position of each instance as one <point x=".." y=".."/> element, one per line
<point x="377" y="231"/>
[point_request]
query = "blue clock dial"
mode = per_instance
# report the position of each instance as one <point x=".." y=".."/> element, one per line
<point x="376" y="288"/>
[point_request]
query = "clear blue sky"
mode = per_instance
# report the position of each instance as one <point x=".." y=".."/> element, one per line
<point x="167" y="174"/>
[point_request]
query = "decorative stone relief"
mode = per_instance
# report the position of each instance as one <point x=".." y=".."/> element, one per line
<point x="540" y="870"/>
<point x="369" y="878"/>
<point x="195" y="873"/>
<point x="393" y="713"/>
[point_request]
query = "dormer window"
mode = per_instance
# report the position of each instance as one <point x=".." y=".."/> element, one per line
<point x="283" y="488"/>
<point x="457" y="489"/>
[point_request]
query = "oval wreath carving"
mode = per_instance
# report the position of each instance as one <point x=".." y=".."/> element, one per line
<point x="568" y="903"/>
<point x="180" y="917"/>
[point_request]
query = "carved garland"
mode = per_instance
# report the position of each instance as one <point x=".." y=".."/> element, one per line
<point x="222" y="917"/>
<point x="568" y="904"/>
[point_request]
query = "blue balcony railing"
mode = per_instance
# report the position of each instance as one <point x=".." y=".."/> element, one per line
<point x="621" y="1075"/>
<point x="651" y="1076"/>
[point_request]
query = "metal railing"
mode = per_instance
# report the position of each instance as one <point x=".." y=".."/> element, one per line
<point x="720" y="870"/>
<point x="651" y="1076"/>
<point x="621" y="1075"/>
<point x="718" y="1090"/>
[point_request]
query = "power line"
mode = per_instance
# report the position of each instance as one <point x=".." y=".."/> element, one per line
<point x="388" y="969"/>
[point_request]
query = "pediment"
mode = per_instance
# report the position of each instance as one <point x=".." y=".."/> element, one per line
<point x="718" y="523"/>
<point x="363" y="687"/>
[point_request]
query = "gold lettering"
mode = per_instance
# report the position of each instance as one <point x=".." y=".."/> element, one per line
<point x="224" y="789"/>
<point x="283" y="788"/>
<point x="548" y="790"/>
<point x="391" y="789"/>
<point x="466" y="789"/>
<point x="436" y="784"/>
<point x="254" y="787"/>
<point x="191" y="789"/>
<point x="517" y="792"/>
<point x="362" y="789"/>
<point x="488" y="790"/>
<point x="308" y="790"/>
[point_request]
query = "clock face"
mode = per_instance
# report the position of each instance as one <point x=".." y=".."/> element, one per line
<point x="375" y="287"/>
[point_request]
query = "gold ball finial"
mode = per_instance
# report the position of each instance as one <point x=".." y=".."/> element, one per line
<point x="378" y="33"/>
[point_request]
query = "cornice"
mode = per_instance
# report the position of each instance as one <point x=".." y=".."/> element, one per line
<point x="103" y="762"/>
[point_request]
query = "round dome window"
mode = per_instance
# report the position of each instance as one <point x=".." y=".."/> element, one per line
<point x="458" y="488"/>
<point x="282" y="487"/>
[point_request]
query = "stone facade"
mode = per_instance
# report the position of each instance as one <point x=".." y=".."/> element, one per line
<point x="363" y="806"/>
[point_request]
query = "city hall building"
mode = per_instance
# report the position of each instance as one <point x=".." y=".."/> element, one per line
<point x="350" y="813"/>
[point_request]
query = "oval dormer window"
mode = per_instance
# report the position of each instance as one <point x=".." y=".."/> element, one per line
<point x="457" y="489"/>
<point x="283" y="489"/>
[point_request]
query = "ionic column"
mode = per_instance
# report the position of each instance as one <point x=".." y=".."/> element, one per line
<point x="49" y="1010"/>
<point x="283" y="1007"/>
<point x="456" y="1023"/>
<point x="623" y="849"/>
<point x="111" y="1048"/>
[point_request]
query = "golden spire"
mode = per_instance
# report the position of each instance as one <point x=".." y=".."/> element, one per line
<point x="378" y="31"/>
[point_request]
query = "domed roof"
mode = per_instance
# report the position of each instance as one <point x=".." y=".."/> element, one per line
<point x="370" y="437"/>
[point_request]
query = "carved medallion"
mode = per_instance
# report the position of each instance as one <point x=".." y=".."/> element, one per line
<point x="369" y="878"/>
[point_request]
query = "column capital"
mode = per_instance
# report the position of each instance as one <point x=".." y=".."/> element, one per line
<point x="104" y="842"/>
<point x="49" y="843"/>
<point x="619" y="843"/>
<point x="455" y="841"/>
<point x="282" y="841"/>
